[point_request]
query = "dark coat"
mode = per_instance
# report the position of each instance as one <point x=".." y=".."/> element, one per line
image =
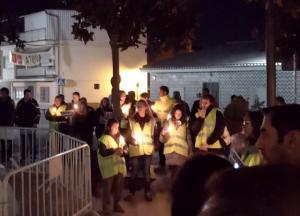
<point x="7" y="111"/>
<point x="27" y="113"/>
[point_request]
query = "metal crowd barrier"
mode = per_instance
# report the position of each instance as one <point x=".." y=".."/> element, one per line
<point x="55" y="178"/>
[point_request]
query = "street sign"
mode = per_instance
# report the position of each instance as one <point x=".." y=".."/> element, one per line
<point x="60" y="82"/>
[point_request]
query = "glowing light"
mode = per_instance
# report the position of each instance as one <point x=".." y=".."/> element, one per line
<point x="138" y="139"/>
<point x="122" y="141"/>
<point x="236" y="165"/>
<point x="133" y="80"/>
<point x="170" y="130"/>
<point x="75" y="106"/>
<point x="125" y="109"/>
<point x="169" y="116"/>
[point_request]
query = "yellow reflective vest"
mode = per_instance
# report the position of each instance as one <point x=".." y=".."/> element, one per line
<point x="208" y="128"/>
<point x="254" y="159"/>
<point x="144" y="138"/>
<point x="56" y="112"/>
<point x="177" y="142"/>
<point x="113" y="164"/>
<point x="163" y="107"/>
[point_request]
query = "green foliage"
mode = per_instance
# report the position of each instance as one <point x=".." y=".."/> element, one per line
<point x="164" y="22"/>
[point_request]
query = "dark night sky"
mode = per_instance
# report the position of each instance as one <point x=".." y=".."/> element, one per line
<point x="218" y="20"/>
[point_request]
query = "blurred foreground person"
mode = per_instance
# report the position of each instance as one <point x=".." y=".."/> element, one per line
<point x="262" y="190"/>
<point x="111" y="160"/>
<point x="188" y="189"/>
<point x="279" y="140"/>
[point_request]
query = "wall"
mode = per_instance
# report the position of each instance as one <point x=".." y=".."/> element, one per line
<point x="85" y="65"/>
<point x="248" y="84"/>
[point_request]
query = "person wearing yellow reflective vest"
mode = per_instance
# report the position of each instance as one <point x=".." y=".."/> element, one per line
<point x="177" y="140"/>
<point x="213" y="135"/>
<point x="162" y="109"/>
<point x="54" y="113"/>
<point x="251" y="129"/>
<point x="112" y="148"/>
<point x="141" y="147"/>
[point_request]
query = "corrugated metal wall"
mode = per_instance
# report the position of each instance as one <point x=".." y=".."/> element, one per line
<point x="248" y="84"/>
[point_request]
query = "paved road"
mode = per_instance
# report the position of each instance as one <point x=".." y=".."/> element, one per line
<point x="160" y="206"/>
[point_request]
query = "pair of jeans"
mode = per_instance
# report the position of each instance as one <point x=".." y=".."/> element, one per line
<point x="140" y="163"/>
<point x="112" y="186"/>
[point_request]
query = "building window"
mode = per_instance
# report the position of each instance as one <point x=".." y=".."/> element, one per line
<point x="44" y="94"/>
<point x="19" y="93"/>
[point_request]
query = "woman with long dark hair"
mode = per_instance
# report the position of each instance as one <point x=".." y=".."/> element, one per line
<point x="177" y="140"/>
<point x="213" y="135"/>
<point x="103" y="113"/>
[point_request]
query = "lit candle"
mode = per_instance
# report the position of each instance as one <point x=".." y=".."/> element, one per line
<point x="121" y="142"/>
<point x="170" y="130"/>
<point x="53" y="111"/>
<point x="169" y="116"/>
<point x="125" y="109"/>
<point x="75" y="106"/>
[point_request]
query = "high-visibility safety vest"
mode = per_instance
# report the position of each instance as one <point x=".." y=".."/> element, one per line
<point x="56" y="111"/>
<point x="254" y="159"/>
<point x="177" y="142"/>
<point x="163" y="107"/>
<point x="144" y="138"/>
<point x="113" y="164"/>
<point x="208" y="128"/>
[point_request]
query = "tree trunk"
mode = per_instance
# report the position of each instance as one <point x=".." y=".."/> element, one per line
<point x="270" y="50"/>
<point x="116" y="79"/>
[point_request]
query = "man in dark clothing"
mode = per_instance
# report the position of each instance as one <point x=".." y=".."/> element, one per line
<point x="27" y="111"/>
<point x="178" y="100"/>
<point x="196" y="104"/>
<point x="28" y="115"/>
<point x="7" y="111"/>
<point x="7" y="108"/>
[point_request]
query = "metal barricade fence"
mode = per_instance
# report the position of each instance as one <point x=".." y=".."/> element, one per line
<point x="58" y="185"/>
<point x="43" y="172"/>
<point x="22" y="146"/>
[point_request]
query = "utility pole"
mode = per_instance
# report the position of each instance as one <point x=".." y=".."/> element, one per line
<point x="270" y="51"/>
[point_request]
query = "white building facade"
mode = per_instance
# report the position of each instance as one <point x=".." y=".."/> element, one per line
<point x="51" y="55"/>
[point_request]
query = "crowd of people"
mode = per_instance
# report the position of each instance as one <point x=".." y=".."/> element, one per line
<point x="199" y="148"/>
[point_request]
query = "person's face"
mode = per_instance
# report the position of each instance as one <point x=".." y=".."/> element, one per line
<point x="205" y="103"/>
<point x="178" y="114"/>
<point x="114" y="130"/>
<point x="104" y="103"/>
<point x="247" y="129"/>
<point x="268" y="143"/>
<point x="57" y="102"/>
<point x="122" y="97"/>
<point x="162" y="93"/>
<point x="75" y="98"/>
<point x="141" y="109"/>
<point x="28" y="96"/>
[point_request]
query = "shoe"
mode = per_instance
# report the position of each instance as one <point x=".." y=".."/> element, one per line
<point x="148" y="197"/>
<point x="118" y="209"/>
<point x="129" y="197"/>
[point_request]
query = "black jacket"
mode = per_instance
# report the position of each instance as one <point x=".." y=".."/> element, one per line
<point x="27" y="113"/>
<point x="7" y="111"/>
